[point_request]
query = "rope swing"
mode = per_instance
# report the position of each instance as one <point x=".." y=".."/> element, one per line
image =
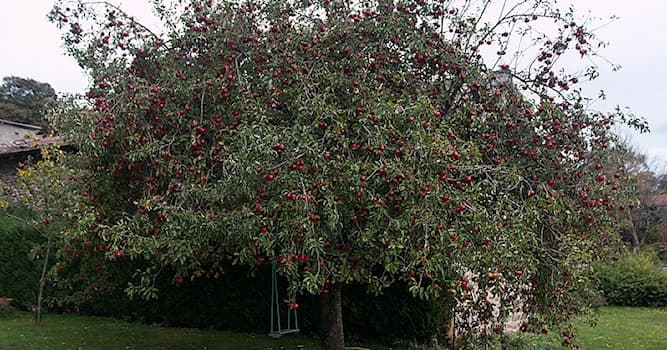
<point x="275" y="310"/>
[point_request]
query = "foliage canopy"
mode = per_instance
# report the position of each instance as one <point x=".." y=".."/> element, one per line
<point x="26" y="100"/>
<point x="364" y="142"/>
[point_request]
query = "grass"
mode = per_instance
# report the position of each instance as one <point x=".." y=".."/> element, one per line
<point x="626" y="328"/>
<point x="68" y="332"/>
<point x="618" y="328"/>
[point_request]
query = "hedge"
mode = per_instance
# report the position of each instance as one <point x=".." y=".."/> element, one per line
<point x="634" y="280"/>
<point x="19" y="273"/>
<point x="238" y="302"/>
<point x="234" y="301"/>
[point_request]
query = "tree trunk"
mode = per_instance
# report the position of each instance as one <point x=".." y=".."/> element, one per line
<point x="633" y="232"/>
<point x="42" y="282"/>
<point x="332" y="319"/>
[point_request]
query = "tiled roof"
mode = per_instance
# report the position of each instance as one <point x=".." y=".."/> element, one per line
<point x="29" y="144"/>
<point x="26" y="126"/>
<point x="33" y="140"/>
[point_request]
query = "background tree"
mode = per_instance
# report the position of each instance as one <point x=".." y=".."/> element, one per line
<point x="365" y="143"/>
<point x="41" y="183"/>
<point x="25" y="100"/>
<point x="648" y="213"/>
<point x="643" y="219"/>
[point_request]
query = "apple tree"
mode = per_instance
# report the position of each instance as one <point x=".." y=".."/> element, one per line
<point x="367" y="142"/>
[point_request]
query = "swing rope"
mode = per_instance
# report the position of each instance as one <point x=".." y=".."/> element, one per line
<point x="275" y="310"/>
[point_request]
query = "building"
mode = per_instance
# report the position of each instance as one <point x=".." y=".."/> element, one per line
<point x="18" y="142"/>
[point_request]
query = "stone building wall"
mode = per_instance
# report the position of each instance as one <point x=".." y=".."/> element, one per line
<point x="8" y="166"/>
<point x="10" y="132"/>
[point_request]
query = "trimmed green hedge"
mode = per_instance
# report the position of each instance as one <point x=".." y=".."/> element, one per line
<point x="236" y="301"/>
<point x="634" y="280"/>
<point x="232" y="302"/>
<point x="19" y="273"/>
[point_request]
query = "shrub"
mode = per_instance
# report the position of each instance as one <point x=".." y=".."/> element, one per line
<point x="6" y="310"/>
<point x="19" y="273"/>
<point x="633" y="280"/>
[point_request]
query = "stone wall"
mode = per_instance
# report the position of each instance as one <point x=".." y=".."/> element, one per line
<point x="8" y="167"/>
<point x="489" y="296"/>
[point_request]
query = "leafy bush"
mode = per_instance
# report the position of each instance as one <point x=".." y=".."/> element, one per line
<point x="634" y="280"/>
<point x="19" y="273"/>
<point x="6" y="310"/>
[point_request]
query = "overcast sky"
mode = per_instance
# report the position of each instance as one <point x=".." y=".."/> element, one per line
<point x="30" y="47"/>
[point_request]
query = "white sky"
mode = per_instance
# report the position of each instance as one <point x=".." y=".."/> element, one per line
<point x="30" y="47"/>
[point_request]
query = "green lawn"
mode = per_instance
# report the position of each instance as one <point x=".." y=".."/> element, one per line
<point x="625" y="328"/>
<point x="618" y="328"/>
<point x="68" y="332"/>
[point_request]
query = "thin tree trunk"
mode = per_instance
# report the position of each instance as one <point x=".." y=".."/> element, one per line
<point x="42" y="282"/>
<point x="633" y="232"/>
<point x="332" y="319"/>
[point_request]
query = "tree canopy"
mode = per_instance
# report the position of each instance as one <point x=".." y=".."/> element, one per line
<point x="366" y="142"/>
<point x="25" y="100"/>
